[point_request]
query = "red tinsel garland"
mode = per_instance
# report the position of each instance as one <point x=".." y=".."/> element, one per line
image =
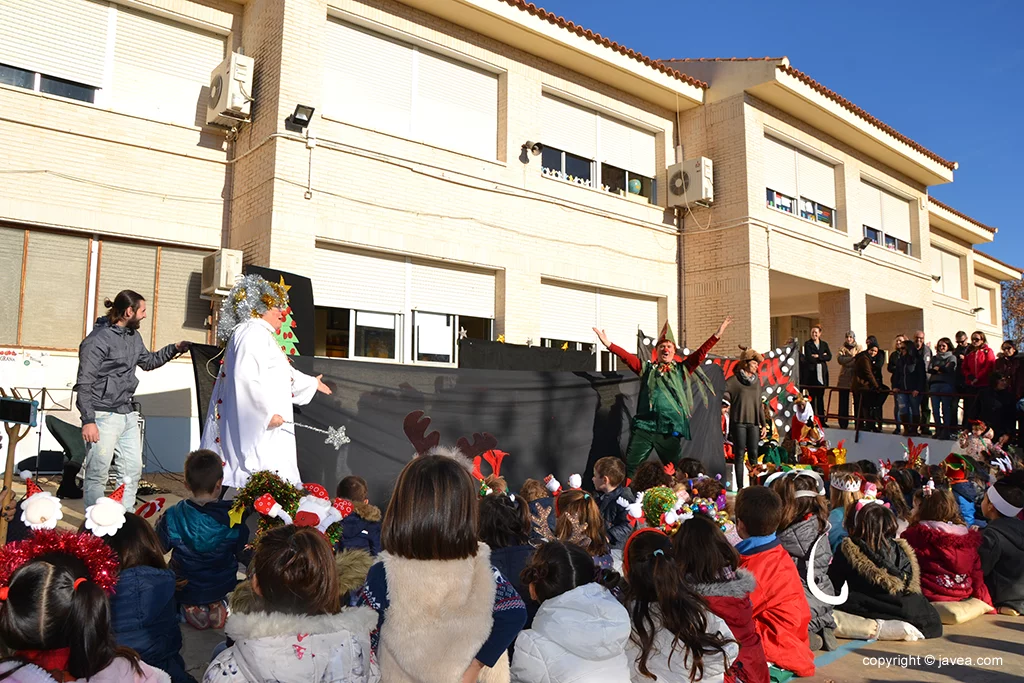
<point x="100" y="560"/>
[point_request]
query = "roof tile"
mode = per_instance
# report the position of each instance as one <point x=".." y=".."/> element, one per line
<point x="953" y="211"/>
<point x="601" y="40"/>
<point x="850" y="106"/>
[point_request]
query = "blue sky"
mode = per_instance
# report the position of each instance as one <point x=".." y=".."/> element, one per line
<point x="949" y="75"/>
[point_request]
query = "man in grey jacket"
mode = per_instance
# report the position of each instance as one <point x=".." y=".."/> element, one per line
<point x="106" y="384"/>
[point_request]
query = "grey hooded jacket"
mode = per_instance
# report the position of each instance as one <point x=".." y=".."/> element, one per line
<point x="798" y="539"/>
<point x="107" y="359"/>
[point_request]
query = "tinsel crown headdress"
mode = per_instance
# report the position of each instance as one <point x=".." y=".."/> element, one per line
<point x="251" y="297"/>
<point x="100" y="560"/>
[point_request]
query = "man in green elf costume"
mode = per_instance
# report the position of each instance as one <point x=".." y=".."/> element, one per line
<point x="666" y="396"/>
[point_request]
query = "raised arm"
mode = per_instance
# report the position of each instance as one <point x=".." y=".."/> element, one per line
<point x="697" y="357"/>
<point x="634" y="363"/>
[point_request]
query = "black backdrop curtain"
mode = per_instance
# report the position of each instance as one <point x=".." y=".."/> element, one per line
<point x="548" y="422"/>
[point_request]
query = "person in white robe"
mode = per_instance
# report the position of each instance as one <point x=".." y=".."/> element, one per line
<point x="250" y="417"/>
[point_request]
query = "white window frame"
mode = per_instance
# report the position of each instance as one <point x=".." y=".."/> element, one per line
<point x="457" y="329"/>
<point x="399" y="328"/>
<point x="797" y="202"/>
<point x="37" y="83"/>
<point x="596" y="164"/>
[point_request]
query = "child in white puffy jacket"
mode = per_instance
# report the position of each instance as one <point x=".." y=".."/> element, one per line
<point x="580" y="631"/>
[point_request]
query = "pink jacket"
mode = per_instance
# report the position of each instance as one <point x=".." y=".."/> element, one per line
<point x="119" y="671"/>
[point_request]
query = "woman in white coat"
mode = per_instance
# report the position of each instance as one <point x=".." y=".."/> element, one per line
<point x="580" y="631"/>
<point x="674" y="637"/>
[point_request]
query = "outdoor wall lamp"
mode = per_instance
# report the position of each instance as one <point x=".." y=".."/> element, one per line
<point x="979" y="309"/>
<point x="300" y="118"/>
<point x="862" y="245"/>
<point x="535" y="148"/>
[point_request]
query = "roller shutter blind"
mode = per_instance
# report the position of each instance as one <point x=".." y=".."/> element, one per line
<point x="352" y="279"/>
<point x="983" y="297"/>
<point x="816" y="179"/>
<point x="162" y="68"/>
<point x="451" y="289"/>
<point x="568" y="128"/>
<point x="780" y="167"/>
<point x="947" y="267"/>
<point x="368" y="79"/>
<point x="456" y="106"/>
<point x="895" y="216"/>
<point x="55" y="315"/>
<point x="12" y="247"/>
<point x="567" y="312"/>
<point x="620" y="315"/>
<point x="870" y="206"/>
<point x="936" y="268"/>
<point x="627" y="147"/>
<point x="62" y="38"/>
<point x="128" y="266"/>
<point x="180" y="311"/>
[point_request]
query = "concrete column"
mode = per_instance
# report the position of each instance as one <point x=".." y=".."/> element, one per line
<point x="838" y="312"/>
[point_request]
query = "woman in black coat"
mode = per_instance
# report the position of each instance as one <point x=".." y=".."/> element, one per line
<point x="814" y="360"/>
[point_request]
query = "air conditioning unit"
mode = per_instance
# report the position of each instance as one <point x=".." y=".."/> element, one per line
<point x="691" y="182"/>
<point x="230" y="91"/>
<point x="221" y="270"/>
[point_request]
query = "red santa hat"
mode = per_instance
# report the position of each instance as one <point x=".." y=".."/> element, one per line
<point x="268" y="506"/>
<point x="40" y="509"/>
<point x="552" y="485"/>
<point x="107" y="514"/>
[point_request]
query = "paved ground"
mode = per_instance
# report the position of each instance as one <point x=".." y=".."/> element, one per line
<point x="987" y="650"/>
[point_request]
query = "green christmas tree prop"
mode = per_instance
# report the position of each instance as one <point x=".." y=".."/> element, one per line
<point x="287" y="337"/>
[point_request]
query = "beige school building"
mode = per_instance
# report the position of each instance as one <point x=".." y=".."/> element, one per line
<point x="476" y="168"/>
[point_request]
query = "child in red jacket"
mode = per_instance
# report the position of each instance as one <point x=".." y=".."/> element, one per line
<point x="947" y="551"/>
<point x="711" y="566"/>
<point x="781" y="613"/>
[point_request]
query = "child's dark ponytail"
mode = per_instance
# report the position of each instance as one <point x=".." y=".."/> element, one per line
<point x="51" y="605"/>
<point x="655" y="578"/>
<point x="558" y="567"/>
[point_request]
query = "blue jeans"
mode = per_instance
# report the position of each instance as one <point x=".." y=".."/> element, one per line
<point x="909" y="408"/>
<point x="942" y="408"/>
<point x="119" y="434"/>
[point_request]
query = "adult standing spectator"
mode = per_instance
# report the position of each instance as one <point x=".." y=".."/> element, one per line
<point x="960" y="351"/>
<point x="866" y="387"/>
<point x="925" y="351"/>
<point x="997" y="407"/>
<point x="942" y="380"/>
<point x="1010" y="365"/>
<point x="814" y="360"/>
<point x="978" y="364"/>
<point x="877" y="365"/>
<point x="106" y="385"/>
<point x="912" y="380"/>
<point x="746" y="416"/>
<point x="897" y="350"/>
<point x="847" y="353"/>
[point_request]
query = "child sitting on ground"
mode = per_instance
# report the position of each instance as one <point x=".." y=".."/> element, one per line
<point x="844" y="489"/>
<point x="650" y="474"/>
<point x="533" y="489"/>
<point x="947" y="552"/>
<point x="507" y="533"/>
<point x="710" y="565"/>
<point x="55" y="618"/>
<point x="579" y="521"/>
<point x="883" y="576"/>
<point x="205" y="548"/>
<point x="143" y="613"/>
<point x="781" y="614"/>
<point x="303" y="633"/>
<point x="958" y="470"/>
<point x="804" y="522"/>
<point x="610" y="485"/>
<point x="360" y="530"/>
<point x="580" y="630"/>
<point x="675" y="637"/>
<point x="1002" y="545"/>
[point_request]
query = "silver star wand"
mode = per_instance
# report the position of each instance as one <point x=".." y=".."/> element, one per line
<point x="335" y="437"/>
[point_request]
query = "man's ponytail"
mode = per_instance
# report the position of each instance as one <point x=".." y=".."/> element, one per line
<point x="118" y="308"/>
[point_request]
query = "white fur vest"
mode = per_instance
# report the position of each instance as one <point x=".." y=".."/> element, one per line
<point x="440" y="614"/>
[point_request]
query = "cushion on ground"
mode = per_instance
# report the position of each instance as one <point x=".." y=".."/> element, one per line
<point x="961" y="612"/>
<point x="852" y="627"/>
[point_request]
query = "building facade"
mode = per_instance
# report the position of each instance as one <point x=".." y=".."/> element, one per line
<point x="476" y="168"/>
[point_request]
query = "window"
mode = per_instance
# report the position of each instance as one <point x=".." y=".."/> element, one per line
<point x="587" y="148"/>
<point x="376" y="335"/>
<point x="946" y="267"/>
<point x="434" y="337"/>
<point x="795" y="180"/>
<point x="566" y="166"/>
<point x="375" y="82"/>
<point x="887" y="216"/>
<point x="50" y="85"/>
<point x="985" y="298"/>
